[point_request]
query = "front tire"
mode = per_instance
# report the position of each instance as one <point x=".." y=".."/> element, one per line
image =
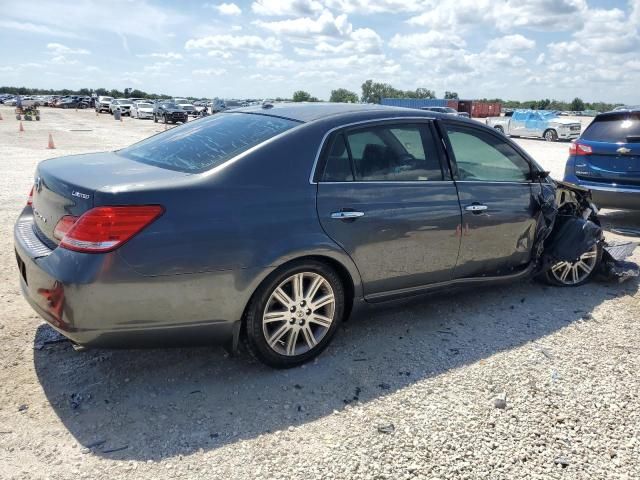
<point x="574" y="274"/>
<point x="294" y="314"/>
<point x="550" y="135"/>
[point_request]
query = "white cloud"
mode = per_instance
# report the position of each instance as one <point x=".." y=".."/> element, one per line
<point x="219" y="54"/>
<point x="62" y="60"/>
<point x="511" y="43"/>
<point x="59" y="49"/>
<point x="36" y="28"/>
<point x="233" y="42"/>
<point x="305" y="27"/>
<point x="228" y="9"/>
<point x="167" y="55"/>
<point x="432" y="39"/>
<point x="209" y="72"/>
<point x="368" y="7"/>
<point x="506" y="15"/>
<point x="286" y="7"/>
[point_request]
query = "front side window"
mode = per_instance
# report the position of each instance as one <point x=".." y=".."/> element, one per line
<point x="383" y="153"/>
<point x="200" y="146"/>
<point x="482" y="157"/>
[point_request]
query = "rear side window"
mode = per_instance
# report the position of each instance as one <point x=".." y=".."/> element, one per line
<point x="623" y="128"/>
<point x="383" y="153"/>
<point x="207" y="143"/>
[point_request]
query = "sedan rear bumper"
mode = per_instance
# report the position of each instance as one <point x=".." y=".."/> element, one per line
<point x="98" y="300"/>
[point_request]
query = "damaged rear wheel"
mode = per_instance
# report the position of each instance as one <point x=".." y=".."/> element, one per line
<point x="579" y="272"/>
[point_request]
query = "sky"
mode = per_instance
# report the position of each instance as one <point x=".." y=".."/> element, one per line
<point x="511" y="49"/>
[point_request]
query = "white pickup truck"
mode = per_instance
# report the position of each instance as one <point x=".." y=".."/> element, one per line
<point x="536" y="123"/>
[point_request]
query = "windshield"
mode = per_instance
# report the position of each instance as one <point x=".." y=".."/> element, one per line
<point x="623" y="128"/>
<point x="143" y="104"/>
<point x="200" y="146"/>
<point x="125" y="102"/>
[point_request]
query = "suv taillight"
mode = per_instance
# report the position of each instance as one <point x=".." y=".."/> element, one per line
<point x="103" y="229"/>
<point x="580" y="149"/>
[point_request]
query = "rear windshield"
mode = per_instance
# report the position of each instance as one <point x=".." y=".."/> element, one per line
<point x="623" y="128"/>
<point x="204" y="144"/>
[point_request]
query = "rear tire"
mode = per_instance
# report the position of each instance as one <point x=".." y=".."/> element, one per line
<point x="550" y="135"/>
<point x="284" y="326"/>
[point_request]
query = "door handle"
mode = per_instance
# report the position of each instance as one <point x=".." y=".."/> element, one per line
<point x="476" y="208"/>
<point x="346" y="215"/>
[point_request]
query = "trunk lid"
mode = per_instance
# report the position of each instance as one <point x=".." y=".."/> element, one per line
<point x="615" y="143"/>
<point x="68" y="186"/>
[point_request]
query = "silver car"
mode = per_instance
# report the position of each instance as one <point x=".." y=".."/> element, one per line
<point x="141" y="110"/>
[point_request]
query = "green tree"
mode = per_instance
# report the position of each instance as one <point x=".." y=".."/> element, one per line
<point x="577" y="105"/>
<point x="342" y="95"/>
<point x="301" y="96"/>
<point x="451" y="95"/>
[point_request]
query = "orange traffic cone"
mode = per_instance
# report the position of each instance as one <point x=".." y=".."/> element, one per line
<point x="21" y="127"/>
<point x="51" y="146"/>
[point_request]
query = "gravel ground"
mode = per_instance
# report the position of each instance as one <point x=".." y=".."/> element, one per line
<point x="519" y="382"/>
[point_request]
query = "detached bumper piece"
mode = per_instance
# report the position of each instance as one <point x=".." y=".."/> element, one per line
<point x="614" y="266"/>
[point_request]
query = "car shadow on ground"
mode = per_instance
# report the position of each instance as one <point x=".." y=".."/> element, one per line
<point x="154" y="404"/>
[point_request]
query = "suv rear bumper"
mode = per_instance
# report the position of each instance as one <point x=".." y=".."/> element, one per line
<point x="606" y="195"/>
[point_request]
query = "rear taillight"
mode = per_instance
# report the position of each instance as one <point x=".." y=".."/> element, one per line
<point x="580" y="149"/>
<point x="103" y="229"/>
<point x="63" y="226"/>
<point x="30" y="199"/>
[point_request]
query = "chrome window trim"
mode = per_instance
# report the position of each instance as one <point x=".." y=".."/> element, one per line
<point x="424" y="119"/>
<point x="401" y="182"/>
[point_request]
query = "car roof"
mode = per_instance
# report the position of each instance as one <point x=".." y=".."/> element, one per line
<point x="618" y="113"/>
<point x="310" y="112"/>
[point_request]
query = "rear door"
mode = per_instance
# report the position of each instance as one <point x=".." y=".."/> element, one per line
<point x="615" y="149"/>
<point x="498" y="224"/>
<point x="385" y="198"/>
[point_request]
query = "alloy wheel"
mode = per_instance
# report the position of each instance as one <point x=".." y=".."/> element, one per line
<point x="572" y="273"/>
<point x="298" y="314"/>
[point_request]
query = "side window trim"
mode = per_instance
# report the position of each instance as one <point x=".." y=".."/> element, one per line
<point x="452" y="157"/>
<point x="429" y="128"/>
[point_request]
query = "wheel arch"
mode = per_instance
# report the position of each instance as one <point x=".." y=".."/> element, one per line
<point x="350" y="281"/>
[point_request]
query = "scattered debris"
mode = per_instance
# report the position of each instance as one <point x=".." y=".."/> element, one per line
<point x="77" y="399"/>
<point x="23" y="408"/>
<point x="384" y="386"/>
<point x="562" y="461"/>
<point x="386" y="428"/>
<point x="117" y="449"/>
<point x="500" y="402"/>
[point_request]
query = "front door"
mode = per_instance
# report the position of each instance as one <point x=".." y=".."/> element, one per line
<point x="385" y="198"/>
<point x="498" y="223"/>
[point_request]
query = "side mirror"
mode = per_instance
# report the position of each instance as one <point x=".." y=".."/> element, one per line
<point x="536" y="175"/>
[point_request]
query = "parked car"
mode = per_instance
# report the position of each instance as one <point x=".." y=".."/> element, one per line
<point x="169" y="112"/>
<point x="122" y="104"/>
<point x="78" y="103"/>
<point x="447" y="110"/>
<point x="271" y="223"/>
<point x="536" y="123"/>
<point x="606" y="159"/>
<point x="103" y="103"/>
<point x="186" y="105"/>
<point x="142" y="110"/>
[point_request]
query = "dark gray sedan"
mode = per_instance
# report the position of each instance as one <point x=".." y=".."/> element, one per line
<point x="271" y="223"/>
